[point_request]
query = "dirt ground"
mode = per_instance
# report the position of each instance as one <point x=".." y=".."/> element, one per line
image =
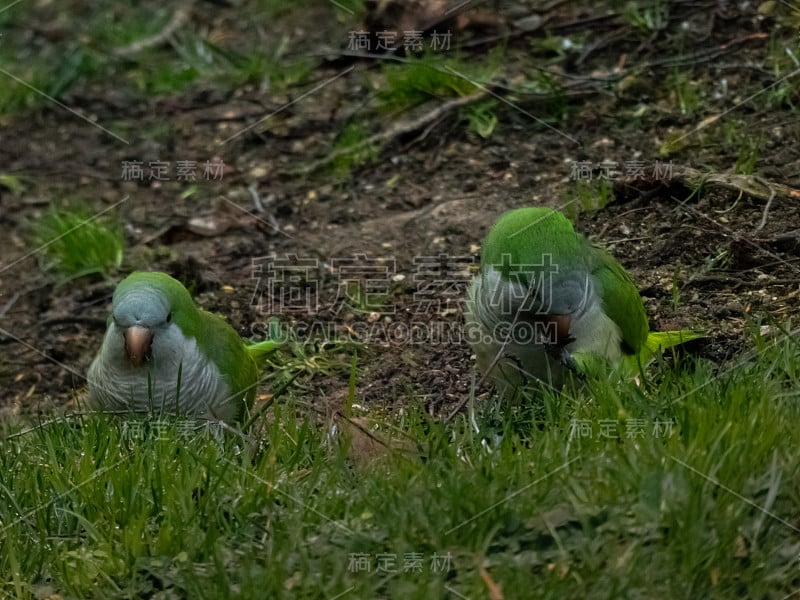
<point x="698" y="259"/>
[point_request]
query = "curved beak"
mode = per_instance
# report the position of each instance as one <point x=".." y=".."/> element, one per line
<point x="137" y="344"/>
<point x="563" y="324"/>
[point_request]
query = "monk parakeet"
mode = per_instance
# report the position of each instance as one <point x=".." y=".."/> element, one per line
<point x="547" y="301"/>
<point x="163" y="354"/>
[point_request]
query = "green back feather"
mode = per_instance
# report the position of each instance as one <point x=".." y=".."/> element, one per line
<point x="521" y="239"/>
<point x="620" y="300"/>
<point x="523" y="236"/>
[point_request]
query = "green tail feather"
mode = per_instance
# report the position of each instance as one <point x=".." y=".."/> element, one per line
<point x="658" y="341"/>
<point x="260" y="350"/>
<point x="631" y="365"/>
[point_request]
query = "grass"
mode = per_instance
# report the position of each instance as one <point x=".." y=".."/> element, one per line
<point x="552" y="105"/>
<point x="352" y="150"/>
<point x="749" y="152"/>
<point x="433" y="76"/>
<point x="77" y="243"/>
<point x="409" y="84"/>
<point x="685" y="487"/>
<point x="199" y="60"/>
<point x="192" y="58"/>
<point x="13" y="183"/>
<point x="782" y="57"/>
<point x="303" y="357"/>
<point x="587" y="195"/>
<point x="403" y="86"/>
<point x="646" y="18"/>
<point x="481" y="118"/>
<point x="350" y="11"/>
<point x="642" y="499"/>
<point x="737" y="139"/>
<point x="685" y="92"/>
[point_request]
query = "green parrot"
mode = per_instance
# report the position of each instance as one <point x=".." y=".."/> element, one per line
<point x="162" y="354"/>
<point x="547" y="302"/>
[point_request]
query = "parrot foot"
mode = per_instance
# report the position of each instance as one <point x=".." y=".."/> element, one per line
<point x="519" y="367"/>
<point x="569" y="362"/>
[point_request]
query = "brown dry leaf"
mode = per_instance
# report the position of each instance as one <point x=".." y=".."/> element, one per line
<point x="291" y="582"/>
<point x="400" y="16"/>
<point x="368" y="444"/>
<point x="740" y="547"/>
<point x="495" y="589"/>
<point x="208" y="226"/>
<point x="193" y="227"/>
<point x="560" y="568"/>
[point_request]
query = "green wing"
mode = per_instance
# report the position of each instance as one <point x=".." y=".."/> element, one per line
<point x="220" y="342"/>
<point x="621" y="300"/>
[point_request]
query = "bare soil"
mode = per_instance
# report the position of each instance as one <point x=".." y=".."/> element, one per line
<point x="697" y="258"/>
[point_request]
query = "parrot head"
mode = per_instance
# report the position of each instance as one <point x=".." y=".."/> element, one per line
<point x="533" y="258"/>
<point x="146" y="310"/>
<point x="162" y="353"/>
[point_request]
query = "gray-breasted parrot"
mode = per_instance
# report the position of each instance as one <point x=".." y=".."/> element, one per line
<point x="546" y="301"/>
<point x="162" y="354"/>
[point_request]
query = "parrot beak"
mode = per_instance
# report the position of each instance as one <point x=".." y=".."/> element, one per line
<point x="137" y="344"/>
<point x="563" y="324"/>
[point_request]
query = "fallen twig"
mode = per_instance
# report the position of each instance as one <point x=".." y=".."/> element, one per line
<point x="7" y="306"/>
<point x="396" y="130"/>
<point x="179" y="18"/>
<point x="739" y="237"/>
<point x="766" y="207"/>
<point x="752" y="185"/>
